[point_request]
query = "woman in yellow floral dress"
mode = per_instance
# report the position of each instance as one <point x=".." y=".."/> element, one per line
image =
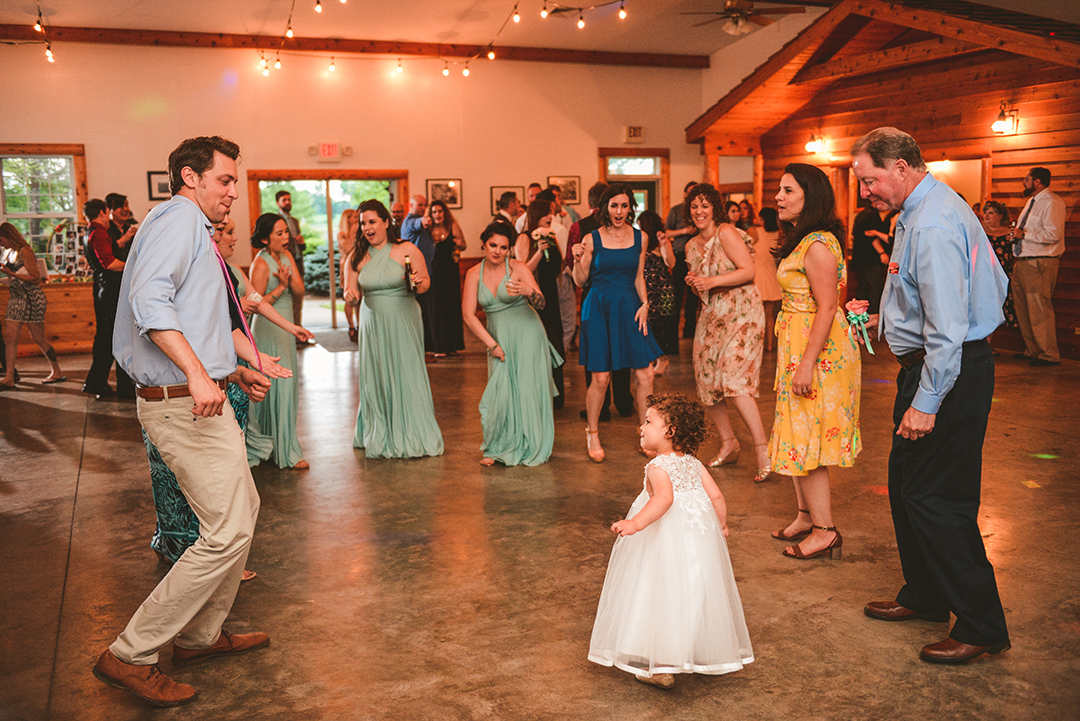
<point x="817" y="366"/>
<point x="730" y="335"/>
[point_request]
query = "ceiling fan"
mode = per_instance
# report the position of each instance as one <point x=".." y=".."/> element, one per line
<point x="739" y="16"/>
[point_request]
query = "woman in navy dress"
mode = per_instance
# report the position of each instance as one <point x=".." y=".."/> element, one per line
<point x="610" y="264"/>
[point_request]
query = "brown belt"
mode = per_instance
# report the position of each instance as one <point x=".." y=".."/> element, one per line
<point x="164" y="393"/>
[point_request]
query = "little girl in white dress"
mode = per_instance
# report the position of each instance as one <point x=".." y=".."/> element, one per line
<point x="670" y="604"/>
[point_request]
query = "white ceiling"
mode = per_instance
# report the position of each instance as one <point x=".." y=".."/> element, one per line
<point x="652" y="26"/>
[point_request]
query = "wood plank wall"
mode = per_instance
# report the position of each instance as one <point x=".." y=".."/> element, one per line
<point x="948" y="107"/>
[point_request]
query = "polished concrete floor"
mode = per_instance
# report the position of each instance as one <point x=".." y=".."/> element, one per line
<point x="438" y="589"/>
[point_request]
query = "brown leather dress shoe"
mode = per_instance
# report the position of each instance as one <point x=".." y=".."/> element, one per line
<point x="893" y="611"/>
<point x="226" y="645"/>
<point x="952" y="651"/>
<point x="146" y="682"/>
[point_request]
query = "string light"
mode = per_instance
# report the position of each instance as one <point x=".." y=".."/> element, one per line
<point x="622" y="11"/>
<point x="318" y="6"/>
<point x="262" y="61"/>
<point x="465" y="72"/>
<point x="277" y="64"/>
<point x="491" y="54"/>
<point x="517" y="16"/>
<point x="266" y="72"/>
<point x="544" y="12"/>
<point x="332" y="67"/>
<point x="48" y="52"/>
<point x="288" y="32"/>
<point x="399" y="68"/>
<point x="446" y="69"/>
<point x="37" y="25"/>
<point x="581" y="21"/>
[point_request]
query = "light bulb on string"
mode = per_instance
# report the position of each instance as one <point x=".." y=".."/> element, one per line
<point x="446" y="69"/>
<point x="517" y="15"/>
<point x="262" y="61"/>
<point x="37" y="25"/>
<point x="277" y="64"/>
<point x="491" y="54"/>
<point x="544" y="12"/>
<point x="581" y="21"/>
<point x="318" y="6"/>
<point x="622" y="11"/>
<point x="399" y="68"/>
<point x="288" y="32"/>
<point x="465" y="72"/>
<point x="332" y="67"/>
<point x="48" y="52"/>
<point x="266" y="72"/>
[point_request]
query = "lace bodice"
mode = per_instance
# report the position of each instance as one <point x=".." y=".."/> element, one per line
<point x="685" y="474"/>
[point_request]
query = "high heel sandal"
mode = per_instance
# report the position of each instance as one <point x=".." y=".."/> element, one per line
<point x="597" y="456"/>
<point x="764" y="471"/>
<point x="797" y="536"/>
<point x="721" y="460"/>
<point x="836" y="545"/>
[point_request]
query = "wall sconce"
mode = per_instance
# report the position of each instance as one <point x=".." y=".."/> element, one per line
<point x="1007" y="123"/>
<point x="816" y="144"/>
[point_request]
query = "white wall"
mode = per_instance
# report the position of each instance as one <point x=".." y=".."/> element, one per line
<point x="509" y="123"/>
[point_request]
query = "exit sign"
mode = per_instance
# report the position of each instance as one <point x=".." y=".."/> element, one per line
<point x="329" y="152"/>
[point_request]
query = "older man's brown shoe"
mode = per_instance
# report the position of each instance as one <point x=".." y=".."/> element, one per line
<point x="227" y="645"/>
<point x="952" y="651"/>
<point x="146" y="682"/>
<point x="893" y="611"/>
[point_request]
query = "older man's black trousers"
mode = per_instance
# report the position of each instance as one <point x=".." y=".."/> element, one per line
<point x="934" y="488"/>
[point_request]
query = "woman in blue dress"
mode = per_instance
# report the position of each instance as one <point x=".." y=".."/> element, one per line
<point x="614" y="313"/>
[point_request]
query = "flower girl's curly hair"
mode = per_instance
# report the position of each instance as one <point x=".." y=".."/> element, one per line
<point x="686" y="418"/>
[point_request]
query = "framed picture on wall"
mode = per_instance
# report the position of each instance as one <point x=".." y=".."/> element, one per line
<point x="570" y="187"/>
<point x="498" y="190"/>
<point x="158" y="184"/>
<point x="447" y="190"/>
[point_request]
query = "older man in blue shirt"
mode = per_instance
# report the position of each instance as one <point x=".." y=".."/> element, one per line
<point x="174" y="338"/>
<point x="943" y="297"/>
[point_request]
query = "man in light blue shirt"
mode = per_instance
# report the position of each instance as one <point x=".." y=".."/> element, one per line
<point x="174" y="336"/>
<point x="943" y="296"/>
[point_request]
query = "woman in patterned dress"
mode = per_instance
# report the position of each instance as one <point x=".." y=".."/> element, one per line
<point x="817" y="365"/>
<point x="26" y="304"/>
<point x="663" y="312"/>
<point x="731" y="326"/>
<point x="995" y="220"/>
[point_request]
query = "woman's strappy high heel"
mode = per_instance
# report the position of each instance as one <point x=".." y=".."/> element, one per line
<point x="798" y="535"/>
<point x="727" y="460"/>
<point x="836" y="545"/>
<point x="597" y="455"/>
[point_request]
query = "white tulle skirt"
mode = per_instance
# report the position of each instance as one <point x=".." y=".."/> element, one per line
<point x="670" y="604"/>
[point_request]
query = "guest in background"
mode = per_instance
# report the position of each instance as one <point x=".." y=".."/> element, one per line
<point x="296" y="247"/>
<point x="995" y="221"/>
<point x="26" y="304"/>
<point x="567" y="215"/>
<point x="680" y="230"/>
<point x="765" y="272"/>
<point x="346" y="241"/>
<point x="507" y="208"/>
<point x="121" y="224"/>
<point x="731" y="327"/>
<point x="108" y="273"/>
<point x="396" y="416"/>
<point x="537" y="248"/>
<point x="749" y="217"/>
<point x="416" y="229"/>
<point x="447" y="327"/>
<point x="276" y="278"/>
<point x="663" y="313"/>
<point x="397" y="215"/>
<point x="614" y="315"/>
<point x="871" y="244"/>
<point x="818" y="368"/>
<point x="515" y="412"/>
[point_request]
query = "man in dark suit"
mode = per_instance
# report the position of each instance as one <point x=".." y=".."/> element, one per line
<point x="108" y="272"/>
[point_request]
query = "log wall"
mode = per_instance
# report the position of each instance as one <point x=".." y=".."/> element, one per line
<point x="948" y="107"/>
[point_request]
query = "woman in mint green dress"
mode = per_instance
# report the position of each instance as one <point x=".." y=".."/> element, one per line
<point x="396" y="418"/>
<point x="515" y="410"/>
<point x="274" y="277"/>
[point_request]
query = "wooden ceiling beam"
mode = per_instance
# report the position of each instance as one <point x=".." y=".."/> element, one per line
<point x="922" y="52"/>
<point x="990" y="36"/>
<point x="346" y="46"/>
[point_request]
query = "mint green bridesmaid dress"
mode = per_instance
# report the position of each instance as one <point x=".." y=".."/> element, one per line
<point x="515" y="410"/>
<point x="396" y="418"/>
<point x="275" y="415"/>
<point x="259" y="445"/>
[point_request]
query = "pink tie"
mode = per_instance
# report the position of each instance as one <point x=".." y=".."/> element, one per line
<point x="232" y="294"/>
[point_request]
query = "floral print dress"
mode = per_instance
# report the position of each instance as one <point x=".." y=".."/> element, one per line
<point x="730" y="335"/>
<point x="822" y="429"/>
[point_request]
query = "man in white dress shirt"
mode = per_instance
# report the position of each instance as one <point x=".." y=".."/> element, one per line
<point x="1040" y="241"/>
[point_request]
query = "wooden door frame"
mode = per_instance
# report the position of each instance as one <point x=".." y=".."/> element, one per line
<point x="255" y="176"/>
<point x="665" y="168"/>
